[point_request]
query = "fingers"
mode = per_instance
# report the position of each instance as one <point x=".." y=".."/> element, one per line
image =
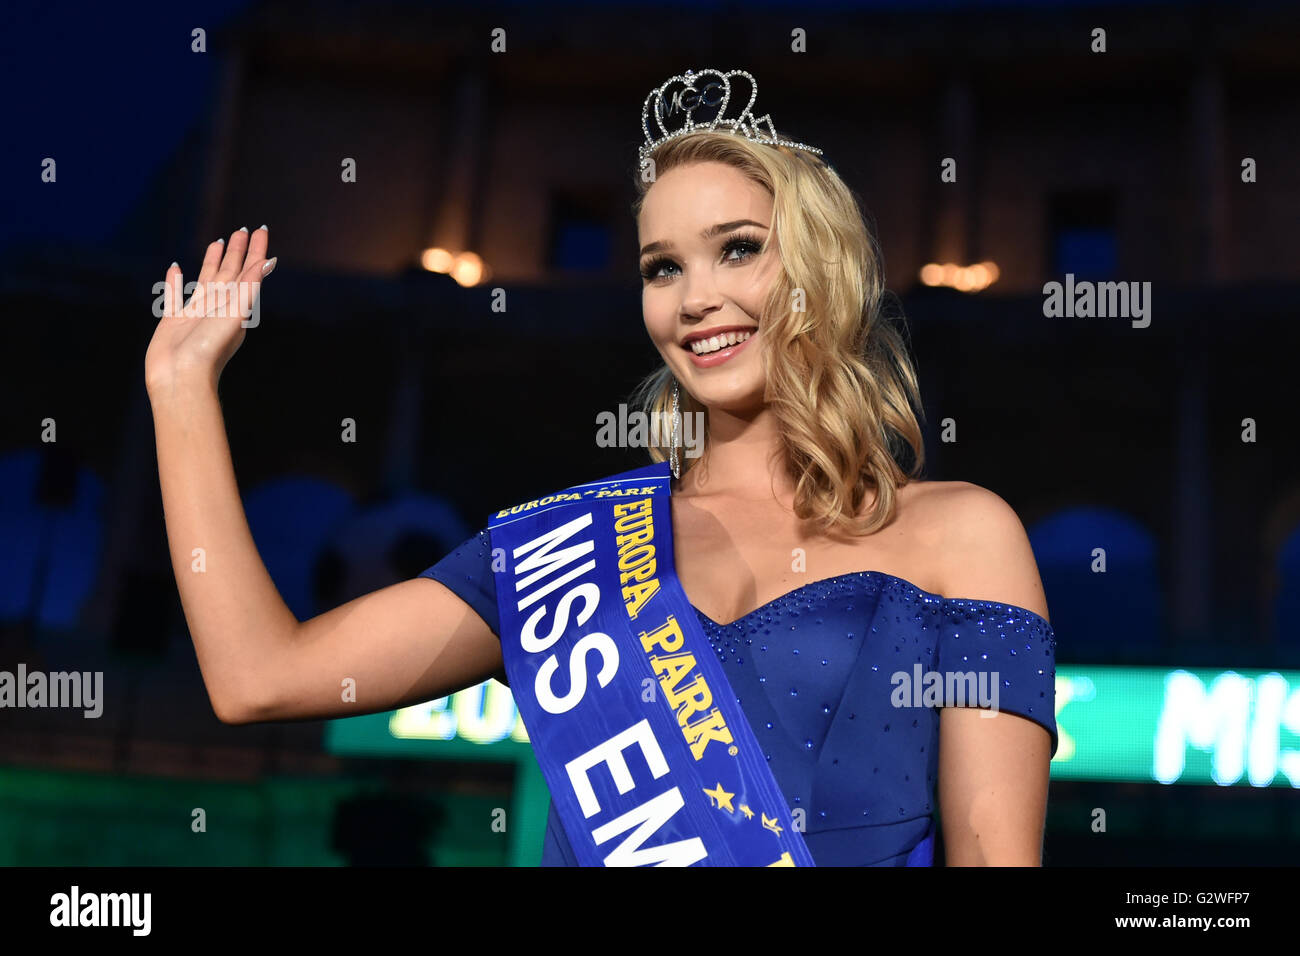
<point x="233" y="263"/>
<point x="257" y="244"/>
<point x="211" y="260"/>
<point x="224" y="266"/>
<point x="173" y="291"/>
<point x="250" y="283"/>
<point x="207" y="275"/>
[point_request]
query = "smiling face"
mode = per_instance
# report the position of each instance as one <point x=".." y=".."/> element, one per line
<point x="704" y="290"/>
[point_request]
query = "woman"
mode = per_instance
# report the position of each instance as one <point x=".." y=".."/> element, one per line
<point x="796" y="526"/>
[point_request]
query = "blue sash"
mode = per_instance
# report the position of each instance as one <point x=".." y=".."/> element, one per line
<point x="648" y="758"/>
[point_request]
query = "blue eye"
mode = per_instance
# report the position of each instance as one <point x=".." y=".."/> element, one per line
<point x="650" y="269"/>
<point x="751" y="245"/>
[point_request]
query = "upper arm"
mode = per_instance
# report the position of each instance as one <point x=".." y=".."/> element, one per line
<point x="404" y="644"/>
<point x="993" y="767"/>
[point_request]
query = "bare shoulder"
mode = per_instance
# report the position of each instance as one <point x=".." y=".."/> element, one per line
<point x="985" y="550"/>
<point x="964" y="509"/>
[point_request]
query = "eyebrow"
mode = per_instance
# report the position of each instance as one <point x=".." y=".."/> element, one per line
<point x="706" y="235"/>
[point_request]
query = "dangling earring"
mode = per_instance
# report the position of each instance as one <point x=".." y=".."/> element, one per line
<point x="674" y="456"/>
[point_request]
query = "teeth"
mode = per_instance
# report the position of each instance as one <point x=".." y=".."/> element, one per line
<point x="720" y="341"/>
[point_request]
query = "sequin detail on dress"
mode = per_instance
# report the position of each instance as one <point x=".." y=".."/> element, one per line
<point x="816" y="671"/>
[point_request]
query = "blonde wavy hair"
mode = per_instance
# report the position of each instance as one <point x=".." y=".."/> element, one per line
<point x="838" y="374"/>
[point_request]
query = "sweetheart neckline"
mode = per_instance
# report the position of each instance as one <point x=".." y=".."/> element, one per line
<point x="868" y="574"/>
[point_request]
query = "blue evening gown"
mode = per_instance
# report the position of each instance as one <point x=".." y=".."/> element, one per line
<point x="813" y="672"/>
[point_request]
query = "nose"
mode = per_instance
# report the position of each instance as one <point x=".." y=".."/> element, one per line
<point x="700" y="295"/>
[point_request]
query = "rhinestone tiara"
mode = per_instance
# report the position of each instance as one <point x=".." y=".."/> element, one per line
<point x="673" y="107"/>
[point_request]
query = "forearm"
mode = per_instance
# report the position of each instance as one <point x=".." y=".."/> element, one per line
<point x="983" y="845"/>
<point x="237" y="619"/>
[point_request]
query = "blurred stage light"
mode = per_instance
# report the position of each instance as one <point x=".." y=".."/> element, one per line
<point x="973" y="278"/>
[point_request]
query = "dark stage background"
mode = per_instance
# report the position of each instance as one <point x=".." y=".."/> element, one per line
<point x="1169" y="158"/>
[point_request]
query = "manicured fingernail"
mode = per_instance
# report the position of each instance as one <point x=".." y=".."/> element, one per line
<point x="176" y="265"/>
<point x="262" y="226"/>
<point x="243" y="229"/>
<point x="222" y="239"/>
<point x="270" y="264"/>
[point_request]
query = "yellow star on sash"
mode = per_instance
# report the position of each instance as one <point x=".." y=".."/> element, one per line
<point x="769" y="824"/>
<point x="722" y="797"/>
<point x="749" y="814"/>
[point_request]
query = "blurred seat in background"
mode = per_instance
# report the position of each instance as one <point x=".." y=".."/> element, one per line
<point x="384" y="543"/>
<point x="1122" y="607"/>
<point x="51" y="535"/>
<point x="292" y="518"/>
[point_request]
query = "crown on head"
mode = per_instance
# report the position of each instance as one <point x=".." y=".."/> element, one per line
<point x="700" y="100"/>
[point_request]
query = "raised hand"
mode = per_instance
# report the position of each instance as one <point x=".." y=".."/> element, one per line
<point x="194" y="340"/>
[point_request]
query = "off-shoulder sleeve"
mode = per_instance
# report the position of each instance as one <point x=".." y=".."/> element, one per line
<point x="467" y="573"/>
<point x="1012" y="646"/>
